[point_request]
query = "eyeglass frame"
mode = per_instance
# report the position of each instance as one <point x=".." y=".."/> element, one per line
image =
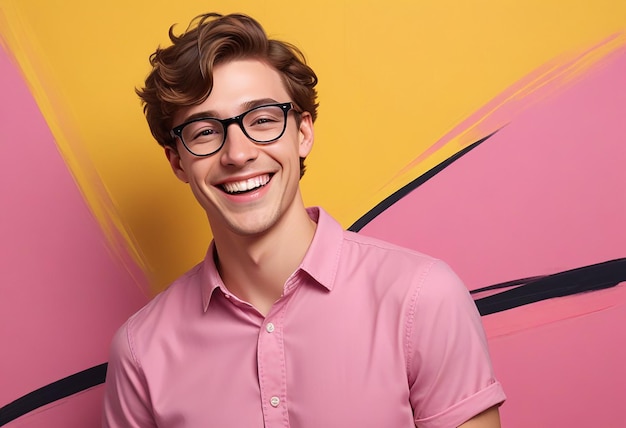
<point x="177" y="132"/>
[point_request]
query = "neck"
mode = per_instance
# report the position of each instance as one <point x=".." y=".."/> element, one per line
<point x="255" y="268"/>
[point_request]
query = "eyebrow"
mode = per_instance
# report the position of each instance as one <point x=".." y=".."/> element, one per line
<point x="244" y="107"/>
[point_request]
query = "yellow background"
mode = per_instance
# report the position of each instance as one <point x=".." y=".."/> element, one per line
<point x="395" y="76"/>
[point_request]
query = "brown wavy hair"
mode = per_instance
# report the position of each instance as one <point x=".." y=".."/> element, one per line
<point x="182" y="74"/>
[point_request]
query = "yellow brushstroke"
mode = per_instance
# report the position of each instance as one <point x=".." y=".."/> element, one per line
<point x="28" y="54"/>
<point x="556" y="74"/>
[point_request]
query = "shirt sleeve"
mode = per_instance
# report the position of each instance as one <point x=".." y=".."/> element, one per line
<point x="126" y="397"/>
<point x="450" y="374"/>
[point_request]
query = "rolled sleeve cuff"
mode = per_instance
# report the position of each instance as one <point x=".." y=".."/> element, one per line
<point x="465" y="410"/>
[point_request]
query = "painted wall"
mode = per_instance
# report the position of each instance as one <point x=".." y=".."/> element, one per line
<point x="92" y="222"/>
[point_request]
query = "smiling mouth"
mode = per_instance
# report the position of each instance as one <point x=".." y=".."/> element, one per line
<point x="243" y="186"/>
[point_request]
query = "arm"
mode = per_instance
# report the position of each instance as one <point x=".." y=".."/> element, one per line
<point x="450" y="373"/>
<point x="490" y="418"/>
<point x="126" y="397"/>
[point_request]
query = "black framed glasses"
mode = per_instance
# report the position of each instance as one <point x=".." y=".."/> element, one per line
<point x="205" y="136"/>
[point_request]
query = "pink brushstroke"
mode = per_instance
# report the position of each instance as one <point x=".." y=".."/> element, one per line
<point x="539" y="84"/>
<point x="544" y="194"/>
<point x="63" y="290"/>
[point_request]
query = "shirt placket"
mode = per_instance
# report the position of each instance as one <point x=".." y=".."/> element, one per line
<point x="272" y="370"/>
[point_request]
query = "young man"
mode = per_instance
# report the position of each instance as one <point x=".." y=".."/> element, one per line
<point x="289" y="321"/>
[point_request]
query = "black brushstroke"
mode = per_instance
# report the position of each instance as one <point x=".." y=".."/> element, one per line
<point x="408" y="188"/>
<point x="583" y="279"/>
<point x="507" y="284"/>
<point x="527" y="290"/>
<point x="55" y="391"/>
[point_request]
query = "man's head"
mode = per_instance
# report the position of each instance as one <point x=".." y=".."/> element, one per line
<point x="182" y="74"/>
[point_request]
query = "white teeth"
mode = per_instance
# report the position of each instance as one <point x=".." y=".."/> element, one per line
<point x="246" y="185"/>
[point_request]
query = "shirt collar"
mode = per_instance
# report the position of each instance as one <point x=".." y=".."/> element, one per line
<point x="322" y="257"/>
<point x="320" y="261"/>
<point x="209" y="277"/>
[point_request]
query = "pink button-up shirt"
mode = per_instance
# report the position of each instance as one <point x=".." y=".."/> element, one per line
<point x="366" y="334"/>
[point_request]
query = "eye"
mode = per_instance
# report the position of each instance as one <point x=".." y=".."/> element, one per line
<point x="201" y="131"/>
<point x="266" y="116"/>
<point x="262" y="117"/>
<point x="204" y="132"/>
<point x="262" y="120"/>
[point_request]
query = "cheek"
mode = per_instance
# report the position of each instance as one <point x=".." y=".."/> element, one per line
<point x="295" y="152"/>
<point x="293" y="160"/>
<point x="198" y="169"/>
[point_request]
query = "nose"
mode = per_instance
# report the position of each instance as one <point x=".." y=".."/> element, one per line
<point x="238" y="149"/>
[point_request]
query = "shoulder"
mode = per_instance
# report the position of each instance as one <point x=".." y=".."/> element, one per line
<point x="164" y="312"/>
<point x="358" y="242"/>
<point x="408" y="279"/>
<point x="386" y="258"/>
<point x="425" y="287"/>
<point x="332" y="241"/>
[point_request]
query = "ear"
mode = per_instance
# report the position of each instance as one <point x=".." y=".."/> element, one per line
<point x="305" y="134"/>
<point x="176" y="164"/>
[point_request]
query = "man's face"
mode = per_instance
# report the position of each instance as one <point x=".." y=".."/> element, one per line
<point x="245" y="188"/>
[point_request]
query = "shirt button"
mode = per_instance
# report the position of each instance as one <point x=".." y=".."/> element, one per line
<point x="274" y="401"/>
<point x="270" y="329"/>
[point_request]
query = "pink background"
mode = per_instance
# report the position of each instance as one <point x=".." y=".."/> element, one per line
<point x="544" y="194"/>
<point x="63" y="291"/>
